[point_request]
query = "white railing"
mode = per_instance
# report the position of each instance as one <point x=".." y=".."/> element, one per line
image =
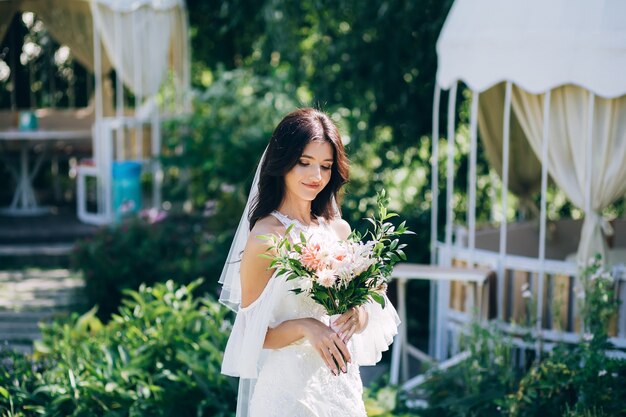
<point x="515" y="268"/>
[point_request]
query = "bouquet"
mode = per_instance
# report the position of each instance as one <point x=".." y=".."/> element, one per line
<point x="342" y="274"/>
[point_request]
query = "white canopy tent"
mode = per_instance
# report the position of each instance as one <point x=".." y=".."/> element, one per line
<point x="548" y="95"/>
<point x="143" y="41"/>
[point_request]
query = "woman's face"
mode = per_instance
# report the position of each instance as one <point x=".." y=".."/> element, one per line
<point x="312" y="171"/>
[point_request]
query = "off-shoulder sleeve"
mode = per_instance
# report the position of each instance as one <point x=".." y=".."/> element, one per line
<point x="382" y="326"/>
<point x="243" y="350"/>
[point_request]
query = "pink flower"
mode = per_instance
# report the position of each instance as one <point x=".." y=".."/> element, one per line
<point x="310" y="256"/>
<point x="326" y="278"/>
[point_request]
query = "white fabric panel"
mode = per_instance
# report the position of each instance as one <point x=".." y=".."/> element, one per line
<point x="382" y="326"/>
<point x="524" y="167"/>
<point x="538" y="45"/>
<point x="567" y="155"/>
<point x="145" y="27"/>
<point x="70" y="23"/>
<point x="132" y="5"/>
<point x="180" y="57"/>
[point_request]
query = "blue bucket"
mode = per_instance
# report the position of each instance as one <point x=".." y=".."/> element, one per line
<point x="126" y="188"/>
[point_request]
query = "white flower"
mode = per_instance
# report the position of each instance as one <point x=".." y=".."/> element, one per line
<point x="606" y="275"/>
<point x="527" y="294"/>
<point x="588" y="337"/>
<point x="525" y="287"/>
<point x="326" y="277"/>
<point x="602" y="372"/>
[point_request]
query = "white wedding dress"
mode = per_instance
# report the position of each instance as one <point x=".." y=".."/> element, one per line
<point x="294" y="381"/>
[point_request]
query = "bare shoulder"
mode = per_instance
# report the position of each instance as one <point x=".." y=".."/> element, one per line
<point x="268" y="225"/>
<point x="341" y="227"/>
<point x="255" y="269"/>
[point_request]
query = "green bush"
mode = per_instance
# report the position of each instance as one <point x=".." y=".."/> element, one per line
<point x="571" y="380"/>
<point x="20" y="377"/>
<point x="139" y="251"/>
<point x="160" y="355"/>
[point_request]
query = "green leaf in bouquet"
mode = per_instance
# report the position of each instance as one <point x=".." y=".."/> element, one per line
<point x="378" y="298"/>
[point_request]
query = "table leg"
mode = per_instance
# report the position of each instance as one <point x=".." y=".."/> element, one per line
<point x="24" y="202"/>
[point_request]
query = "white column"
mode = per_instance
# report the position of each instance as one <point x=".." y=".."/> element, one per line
<point x="471" y="207"/>
<point x="434" y="217"/>
<point x="543" y="217"/>
<point x="119" y="92"/>
<point x="450" y="164"/>
<point x="137" y="71"/>
<point x="157" y="170"/>
<point x="443" y="288"/>
<point x="589" y="159"/>
<point x="505" y="190"/>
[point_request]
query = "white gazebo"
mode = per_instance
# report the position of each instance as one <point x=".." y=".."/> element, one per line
<point x="146" y="43"/>
<point x="548" y="96"/>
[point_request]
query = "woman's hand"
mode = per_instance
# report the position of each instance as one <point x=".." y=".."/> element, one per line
<point x="351" y="322"/>
<point x="328" y="344"/>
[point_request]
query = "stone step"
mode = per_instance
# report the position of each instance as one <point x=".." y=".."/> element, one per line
<point x="43" y="249"/>
<point x="31" y="296"/>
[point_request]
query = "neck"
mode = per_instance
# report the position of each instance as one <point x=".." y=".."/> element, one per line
<point x="298" y="210"/>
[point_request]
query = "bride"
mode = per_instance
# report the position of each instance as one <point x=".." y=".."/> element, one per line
<point x="289" y="360"/>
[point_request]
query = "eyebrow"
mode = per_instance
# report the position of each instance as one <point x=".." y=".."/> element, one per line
<point x="310" y="157"/>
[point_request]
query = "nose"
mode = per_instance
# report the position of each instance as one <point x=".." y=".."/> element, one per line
<point x="316" y="173"/>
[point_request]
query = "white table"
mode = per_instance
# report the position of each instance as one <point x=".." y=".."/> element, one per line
<point x="24" y="202"/>
<point x="478" y="295"/>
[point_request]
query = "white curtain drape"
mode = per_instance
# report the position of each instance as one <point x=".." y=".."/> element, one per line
<point x="137" y="44"/>
<point x="180" y="57"/>
<point x="568" y="158"/>
<point x="70" y="23"/>
<point x="524" y="167"/>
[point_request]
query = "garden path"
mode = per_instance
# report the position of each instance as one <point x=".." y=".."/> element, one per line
<point x="33" y="295"/>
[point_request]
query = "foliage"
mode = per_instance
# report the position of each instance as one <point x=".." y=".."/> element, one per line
<point x="160" y="355"/>
<point x="140" y="250"/>
<point x="20" y="376"/>
<point x="571" y="380"/>
<point x="583" y="378"/>
<point x="477" y="385"/>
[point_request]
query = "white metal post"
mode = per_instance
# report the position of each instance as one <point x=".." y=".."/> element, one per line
<point x="99" y="113"/>
<point x="434" y="218"/>
<point x="543" y="216"/>
<point x="119" y="153"/>
<point x="505" y="189"/>
<point x="471" y="208"/>
<point x="137" y="71"/>
<point x="157" y="171"/>
<point x="443" y="288"/>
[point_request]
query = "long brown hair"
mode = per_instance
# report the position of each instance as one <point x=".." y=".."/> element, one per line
<point x="286" y="145"/>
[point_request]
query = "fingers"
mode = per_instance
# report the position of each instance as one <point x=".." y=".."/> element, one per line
<point x="349" y="326"/>
<point x="335" y="353"/>
<point x="328" y="359"/>
<point x="338" y="356"/>
<point x="348" y="335"/>
<point x="343" y="349"/>
<point x="347" y="319"/>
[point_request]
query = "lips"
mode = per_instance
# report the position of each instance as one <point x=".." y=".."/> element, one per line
<point x="311" y="186"/>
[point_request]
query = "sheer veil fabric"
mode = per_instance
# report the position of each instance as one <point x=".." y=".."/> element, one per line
<point x="230" y="295"/>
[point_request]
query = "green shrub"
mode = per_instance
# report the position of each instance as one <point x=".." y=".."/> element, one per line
<point x="570" y="380"/>
<point x="20" y="377"/>
<point x="140" y="250"/>
<point x="160" y="355"/>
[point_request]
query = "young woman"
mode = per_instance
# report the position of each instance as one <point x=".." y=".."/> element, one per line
<point x="291" y="363"/>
